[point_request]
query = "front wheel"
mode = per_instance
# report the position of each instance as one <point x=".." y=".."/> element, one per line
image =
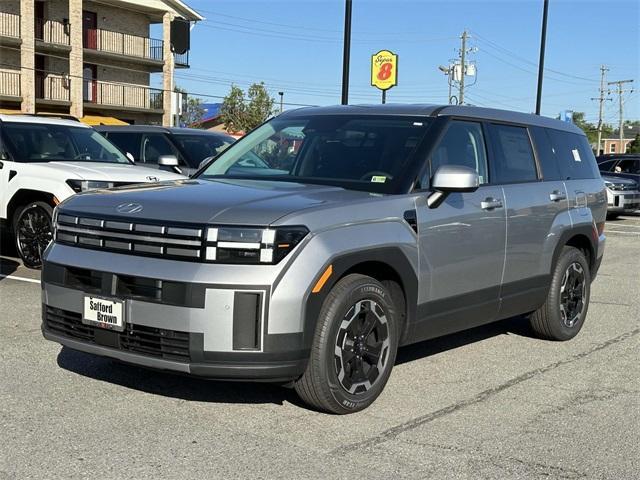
<point x="354" y="347"/>
<point x="563" y="314"/>
<point x="33" y="230"/>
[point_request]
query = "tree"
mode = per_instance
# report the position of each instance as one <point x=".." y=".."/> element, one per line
<point x="591" y="129"/>
<point x="240" y="112"/>
<point x="634" y="146"/>
<point x="192" y="110"/>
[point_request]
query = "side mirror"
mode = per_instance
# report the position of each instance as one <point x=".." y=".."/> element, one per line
<point x="130" y="157"/>
<point x="452" y="178"/>
<point x="204" y="162"/>
<point x="168" y="160"/>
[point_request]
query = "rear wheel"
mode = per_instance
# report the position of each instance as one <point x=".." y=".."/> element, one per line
<point x="33" y="230"/>
<point x="564" y="312"/>
<point x="354" y="347"/>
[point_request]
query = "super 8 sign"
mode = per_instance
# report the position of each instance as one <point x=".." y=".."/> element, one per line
<point x="384" y="70"/>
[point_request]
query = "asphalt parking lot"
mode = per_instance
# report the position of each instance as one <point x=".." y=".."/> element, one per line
<point x="489" y="403"/>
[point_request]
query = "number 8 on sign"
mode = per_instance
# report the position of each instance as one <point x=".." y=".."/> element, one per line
<point x="384" y="70"/>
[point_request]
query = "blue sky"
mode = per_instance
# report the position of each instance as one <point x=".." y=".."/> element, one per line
<point x="296" y="47"/>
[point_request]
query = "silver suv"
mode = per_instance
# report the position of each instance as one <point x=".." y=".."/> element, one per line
<point x="315" y="246"/>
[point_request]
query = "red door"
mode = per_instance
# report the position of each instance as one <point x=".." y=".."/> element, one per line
<point x="89" y="29"/>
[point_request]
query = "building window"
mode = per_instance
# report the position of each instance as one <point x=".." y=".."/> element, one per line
<point x="612" y="148"/>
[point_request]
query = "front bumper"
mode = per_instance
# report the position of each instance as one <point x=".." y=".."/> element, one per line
<point x="622" y="201"/>
<point x="197" y="328"/>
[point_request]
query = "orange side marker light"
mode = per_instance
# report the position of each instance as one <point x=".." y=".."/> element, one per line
<point x="323" y="279"/>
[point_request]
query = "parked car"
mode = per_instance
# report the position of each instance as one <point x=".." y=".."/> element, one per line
<point x="623" y="195"/>
<point x="392" y="224"/>
<point x="625" y="165"/>
<point x="44" y="160"/>
<point x="177" y="149"/>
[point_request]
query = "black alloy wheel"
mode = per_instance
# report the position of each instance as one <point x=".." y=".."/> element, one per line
<point x="33" y="230"/>
<point x="572" y="294"/>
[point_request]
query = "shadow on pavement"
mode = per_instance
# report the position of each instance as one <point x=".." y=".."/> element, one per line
<point x="200" y="390"/>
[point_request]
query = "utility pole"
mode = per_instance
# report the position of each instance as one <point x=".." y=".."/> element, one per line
<point x="601" y="99"/>
<point x="463" y="67"/>
<point x="543" y="41"/>
<point x="346" y="52"/>
<point x="621" y="91"/>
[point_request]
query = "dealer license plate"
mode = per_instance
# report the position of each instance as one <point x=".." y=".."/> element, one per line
<point x="104" y="313"/>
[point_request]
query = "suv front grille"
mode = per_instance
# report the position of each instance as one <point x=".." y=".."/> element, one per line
<point x="150" y="341"/>
<point x="177" y="242"/>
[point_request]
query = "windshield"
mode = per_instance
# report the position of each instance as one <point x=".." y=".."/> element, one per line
<point x="363" y="152"/>
<point x="37" y="142"/>
<point x="199" y="147"/>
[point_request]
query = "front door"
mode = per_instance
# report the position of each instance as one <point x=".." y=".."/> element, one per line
<point x="38" y="16"/>
<point x="89" y="85"/>
<point x="461" y="242"/>
<point x="89" y="29"/>
<point x="40" y="75"/>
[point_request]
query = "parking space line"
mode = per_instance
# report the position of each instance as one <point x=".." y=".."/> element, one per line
<point x="21" y="279"/>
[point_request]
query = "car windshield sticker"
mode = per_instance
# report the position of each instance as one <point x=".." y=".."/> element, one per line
<point x="378" y="179"/>
<point x="576" y="155"/>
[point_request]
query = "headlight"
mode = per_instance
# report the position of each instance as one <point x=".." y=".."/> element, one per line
<point x="608" y="184"/>
<point x="251" y="245"/>
<point x="84" y="185"/>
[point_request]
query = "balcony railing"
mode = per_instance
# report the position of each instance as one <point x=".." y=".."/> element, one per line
<point x="122" y="95"/>
<point x="51" y="31"/>
<point x="52" y="87"/>
<point x="181" y="59"/>
<point x="9" y="83"/>
<point x="9" y="25"/>
<point x="123" y="44"/>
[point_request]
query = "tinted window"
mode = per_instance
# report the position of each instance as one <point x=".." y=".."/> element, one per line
<point x="547" y="159"/>
<point x="513" y="159"/>
<point x="607" y="166"/>
<point x="363" y="152"/>
<point x="35" y="142"/>
<point x="199" y="147"/>
<point x="154" y="145"/>
<point x="574" y="155"/>
<point x="462" y="144"/>
<point x="630" y="165"/>
<point x="128" y="142"/>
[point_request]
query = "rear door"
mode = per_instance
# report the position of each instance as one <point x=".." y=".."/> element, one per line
<point x="532" y="206"/>
<point x="461" y="242"/>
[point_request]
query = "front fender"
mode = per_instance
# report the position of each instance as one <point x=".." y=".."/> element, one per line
<point x="293" y="306"/>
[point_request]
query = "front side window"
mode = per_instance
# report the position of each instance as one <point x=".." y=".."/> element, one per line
<point x="607" y="165"/>
<point x="630" y="165"/>
<point x="128" y="142"/>
<point x="462" y="144"/>
<point x="199" y="147"/>
<point x="513" y="160"/>
<point x="362" y="152"/>
<point x="154" y="145"/>
<point x="38" y="142"/>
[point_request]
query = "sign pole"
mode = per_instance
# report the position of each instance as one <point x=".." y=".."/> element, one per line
<point x="384" y="97"/>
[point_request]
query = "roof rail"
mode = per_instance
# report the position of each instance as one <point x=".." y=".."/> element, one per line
<point x="61" y="116"/>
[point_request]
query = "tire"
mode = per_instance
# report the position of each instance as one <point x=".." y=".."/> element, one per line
<point x="564" y="312"/>
<point x="348" y="379"/>
<point x="612" y="216"/>
<point x="32" y="231"/>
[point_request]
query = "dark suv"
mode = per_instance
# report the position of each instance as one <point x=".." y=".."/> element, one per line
<point x="147" y="144"/>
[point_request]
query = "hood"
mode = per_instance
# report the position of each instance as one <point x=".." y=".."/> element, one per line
<point x="113" y="172"/>
<point x="618" y="180"/>
<point x="236" y="202"/>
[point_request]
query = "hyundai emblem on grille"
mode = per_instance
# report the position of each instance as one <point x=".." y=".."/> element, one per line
<point x="129" y="208"/>
<point x="151" y="178"/>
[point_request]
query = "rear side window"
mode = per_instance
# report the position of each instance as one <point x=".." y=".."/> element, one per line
<point x="512" y="161"/>
<point x="547" y="159"/>
<point x="128" y="142"/>
<point x="154" y="146"/>
<point x="574" y="155"/>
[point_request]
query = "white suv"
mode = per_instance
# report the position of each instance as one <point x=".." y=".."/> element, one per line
<point x="43" y="161"/>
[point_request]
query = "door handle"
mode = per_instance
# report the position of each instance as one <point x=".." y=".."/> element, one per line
<point x="490" y="203"/>
<point x="557" y="196"/>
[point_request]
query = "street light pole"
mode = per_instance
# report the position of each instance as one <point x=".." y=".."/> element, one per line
<point x="543" y="41"/>
<point x="346" y="52"/>
<point x="281" y="101"/>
